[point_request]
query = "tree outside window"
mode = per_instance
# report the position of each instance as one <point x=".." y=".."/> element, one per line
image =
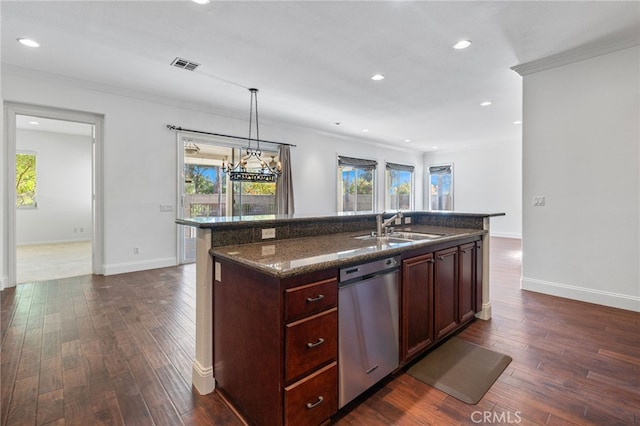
<point x="26" y="180"/>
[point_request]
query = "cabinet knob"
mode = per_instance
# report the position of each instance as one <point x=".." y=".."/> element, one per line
<point x="315" y="404"/>
<point x="315" y="299"/>
<point x="314" y="344"/>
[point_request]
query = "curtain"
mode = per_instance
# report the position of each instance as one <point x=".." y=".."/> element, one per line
<point x="399" y="167"/>
<point x="357" y="162"/>
<point x="284" y="187"/>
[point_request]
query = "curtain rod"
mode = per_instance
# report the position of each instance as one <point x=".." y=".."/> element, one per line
<point x="180" y="129"/>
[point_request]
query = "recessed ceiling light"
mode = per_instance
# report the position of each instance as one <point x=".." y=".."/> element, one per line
<point x="202" y="1"/>
<point x="486" y="103"/>
<point x="365" y="130"/>
<point x="517" y="122"/>
<point x="377" y="77"/>
<point x="434" y="147"/>
<point x="407" y="140"/>
<point x="35" y="123"/>
<point x="28" y="42"/>
<point x="462" y="44"/>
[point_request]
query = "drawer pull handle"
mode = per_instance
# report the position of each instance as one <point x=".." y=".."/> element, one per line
<point x="315" y="299"/>
<point x="441" y="257"/>
<point x="315" y="404"/>
<point x="431" y="261"/>
<point x="313" y="345"/>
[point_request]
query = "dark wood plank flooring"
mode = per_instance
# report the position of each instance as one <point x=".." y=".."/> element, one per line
<point x="118" y="350"/>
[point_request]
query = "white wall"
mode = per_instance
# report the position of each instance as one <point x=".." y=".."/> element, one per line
<point x="581" y="142"/>
<point x="4" y="262"/>
<point x="63" y="167"/>
<point x="140" y="161"/>
<point x="488" y="180"/>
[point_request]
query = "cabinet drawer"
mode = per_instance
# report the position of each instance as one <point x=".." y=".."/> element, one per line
<point x="313" y="399"/>
<point x="310" y="342"/>
<point x="310" y="299"/>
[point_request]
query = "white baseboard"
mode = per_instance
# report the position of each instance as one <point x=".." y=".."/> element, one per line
<point x="590" y="295"/>
<point x="41" y="243"/>
<point x="202" y="378"/>
<point x="506" y="235"/>
<point x="123" y="268"/>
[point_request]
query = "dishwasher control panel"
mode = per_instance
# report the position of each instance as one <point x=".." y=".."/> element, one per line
<point x="362" y="270"/>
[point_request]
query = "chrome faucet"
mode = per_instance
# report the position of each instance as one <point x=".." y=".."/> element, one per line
<point x="382" y="225"/>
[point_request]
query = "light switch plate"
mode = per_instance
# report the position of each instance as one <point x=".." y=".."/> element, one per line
<point x="538" y="200"/>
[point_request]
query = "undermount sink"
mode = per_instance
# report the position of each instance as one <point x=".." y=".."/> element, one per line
<point x="401" y="237"/>
<point x="415" y="236"/>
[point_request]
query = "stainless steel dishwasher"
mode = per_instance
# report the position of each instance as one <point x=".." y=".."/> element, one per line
<point x="367" y="326"/>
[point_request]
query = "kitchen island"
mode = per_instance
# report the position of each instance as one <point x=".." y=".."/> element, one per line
<point x="272" y="256"/>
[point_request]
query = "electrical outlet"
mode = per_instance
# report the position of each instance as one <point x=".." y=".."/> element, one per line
<point x="136" y="250"/>
<point x="538" y="200"/>
<point x="268" y="233"/>
<point x="407" y="220"/>
<point x="398" y="221"/>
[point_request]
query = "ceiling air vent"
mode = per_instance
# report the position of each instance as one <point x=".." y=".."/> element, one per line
<point x="184" y="64"/>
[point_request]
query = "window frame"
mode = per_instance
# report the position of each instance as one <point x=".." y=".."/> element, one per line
<point x="389" y="168"/>
<point x="451" y="185"/>
<point x="363" y="164"/>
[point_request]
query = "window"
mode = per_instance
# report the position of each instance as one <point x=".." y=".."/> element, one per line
<point x="441" y="187"/>
<point x="356" y="184"/>
<point x="26" y="180"/>
<point x="209" y="192"/>
<point x="205" y="189"/>
<point x="399" y="187"/>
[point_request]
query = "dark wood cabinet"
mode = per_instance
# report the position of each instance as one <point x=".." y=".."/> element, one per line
<point x="276" y="340"/>
<point x="275" y="345"/>
<point x="466" y="282"/>
<point x="446" y="292"/>
<point x="478" y="278"/>
<point x="417" y="302"/>
<point x="441" y="291"/>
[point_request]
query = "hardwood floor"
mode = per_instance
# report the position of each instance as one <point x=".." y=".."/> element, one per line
<point x="118" y="350"/>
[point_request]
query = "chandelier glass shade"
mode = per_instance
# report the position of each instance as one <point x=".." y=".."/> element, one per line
<point x="251" y="167"/>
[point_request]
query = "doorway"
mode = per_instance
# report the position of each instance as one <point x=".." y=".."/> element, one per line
<point x="53" y="199"/>
<point x="55" y="226"/>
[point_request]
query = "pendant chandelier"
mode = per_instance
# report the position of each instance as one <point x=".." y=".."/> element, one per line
<point x="260" y="170"/>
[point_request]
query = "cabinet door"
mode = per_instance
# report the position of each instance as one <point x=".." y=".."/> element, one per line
<point x="478" y="271"/>
<point x="466" y="282"/>
<point x="417" y="305"/>
<point x="446" y="291"/>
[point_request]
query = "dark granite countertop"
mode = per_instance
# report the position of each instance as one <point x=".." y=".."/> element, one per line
<point x="266" y="220"/>
<point x="294" y="256"/>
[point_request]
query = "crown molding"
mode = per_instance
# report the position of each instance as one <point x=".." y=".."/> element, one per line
<point x="578" y="54"/>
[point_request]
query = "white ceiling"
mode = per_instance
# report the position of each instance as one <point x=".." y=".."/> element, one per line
<point x="312" y="60"/>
